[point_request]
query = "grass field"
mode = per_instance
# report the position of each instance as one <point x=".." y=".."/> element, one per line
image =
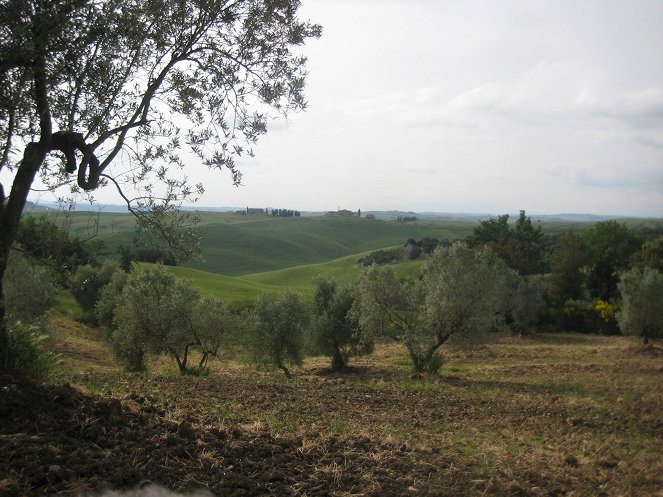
<point x="543" y="415"/>
<point x="237" y="245"/>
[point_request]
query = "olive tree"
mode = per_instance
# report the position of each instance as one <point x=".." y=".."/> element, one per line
<point x="154" y="315"/>
<point x="642" y="303"/>
<point x="276" y="330"/>
<point x="212" y="322"/>
<point x="97" y="93"/>
<point x="457" y="295"/>
<point x="335" y="330"/>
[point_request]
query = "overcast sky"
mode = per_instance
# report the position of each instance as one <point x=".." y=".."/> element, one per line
<point x="470" y="106"/>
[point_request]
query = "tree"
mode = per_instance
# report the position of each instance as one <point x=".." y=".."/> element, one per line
<point x="610" y="246"/>
<point x="212" y="323"/>
<point x="276" y="330"/>
<point x="458" y="295"/>
<point x="84" y="83"/>
<point x="642" y="303"/>
<point x="523" y="300"/>
<point x="567" y="268"/>
<point x="650" y="255"/>
<point x="521" y="246"/>
<point x="154" y="314"/>
<point x="336" y="332"/>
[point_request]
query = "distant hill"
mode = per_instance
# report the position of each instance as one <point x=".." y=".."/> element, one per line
<point x="240" y="244"/>
<point x="235" y="244"/>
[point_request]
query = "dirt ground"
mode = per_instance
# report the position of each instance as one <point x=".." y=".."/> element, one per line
<point x="562" y="415"/>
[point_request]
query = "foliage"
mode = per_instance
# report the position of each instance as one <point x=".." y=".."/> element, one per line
<point x="642" y="303"/>
<point x="28" y="290"/>
<point x="85" y="83"/>
<point x="212" y="323"/>
<point x="336" y="333"/>
<point x="524" y="300"/>
<point x="154" y="315"/>
<point x="276" y="330"/>
<point x="87" y="283"/>
<point x="155" y="255"/>
<point x="382" y="256"/>
<point x="26" y="342"/>
<point x="650" y="255"/>
<point x="567" y="268"/>
<point x="520" y="246"/>
<point x="51" y="244"/>
<point x="609" y="245"/>
<point x="457" y="295"/>
<point x="109" y="297"/>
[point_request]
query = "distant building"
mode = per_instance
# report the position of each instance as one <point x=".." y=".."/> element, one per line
<point x="251" y="210"/>
<point x="340" y="212"/>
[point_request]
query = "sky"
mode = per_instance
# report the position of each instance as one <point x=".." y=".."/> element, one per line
<point x="490" y="106"/>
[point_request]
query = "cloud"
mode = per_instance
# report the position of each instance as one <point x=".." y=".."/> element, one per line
<point x="421" y="169"/>
<point x="641" y="109"/>
<point x="624" y="178"/>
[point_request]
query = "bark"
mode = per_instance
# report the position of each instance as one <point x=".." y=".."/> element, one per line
<point x="338" y="361"/>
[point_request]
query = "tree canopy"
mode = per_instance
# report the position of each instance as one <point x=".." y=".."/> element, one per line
<point x="116" y="90"/>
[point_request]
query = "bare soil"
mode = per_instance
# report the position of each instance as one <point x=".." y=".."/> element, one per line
<point x="550" y="415"/>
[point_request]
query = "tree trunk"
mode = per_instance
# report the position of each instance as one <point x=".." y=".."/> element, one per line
<point x="287" y="372"/>
<point x="10" y="217"/>
<point x="645" y="339"/>
<point x="203" y="360"/>
<point x="338" y="361"/>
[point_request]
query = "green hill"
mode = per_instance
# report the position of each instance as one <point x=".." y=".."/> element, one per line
<point x="300" y="278"/>
<point x="237" y="245"/>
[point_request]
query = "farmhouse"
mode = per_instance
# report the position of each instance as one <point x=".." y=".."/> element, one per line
<point x="340" y="212"/>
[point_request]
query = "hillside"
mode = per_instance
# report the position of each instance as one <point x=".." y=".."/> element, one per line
<point x="300" y="278"/>
<point x="236" y="245"/>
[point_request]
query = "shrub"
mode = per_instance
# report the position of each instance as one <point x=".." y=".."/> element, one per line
<point x="26" y="344"/>
<point x="87" y="283"/>
<point x="28" y="290"/>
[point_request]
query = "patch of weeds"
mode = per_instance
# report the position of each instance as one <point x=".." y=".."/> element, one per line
<point x="281" y="425"/>
<point x="338" y="426"/>
<point x="402" y="362"/>
<point x="574" y="389"/>
<point x="413" y="385"/>
<point x="196" y="371"/>
<point x="228" y="409"/>
<point x="459" y="367"/>
<point x="487" y="465"/>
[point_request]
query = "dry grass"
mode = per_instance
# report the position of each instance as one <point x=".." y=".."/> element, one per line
<point x="562" y="414"/>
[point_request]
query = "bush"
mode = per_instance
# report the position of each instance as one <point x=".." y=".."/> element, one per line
<point x="87" y="284"/>
<point x="26" y="346"/>
<point x="28" y="291"/>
